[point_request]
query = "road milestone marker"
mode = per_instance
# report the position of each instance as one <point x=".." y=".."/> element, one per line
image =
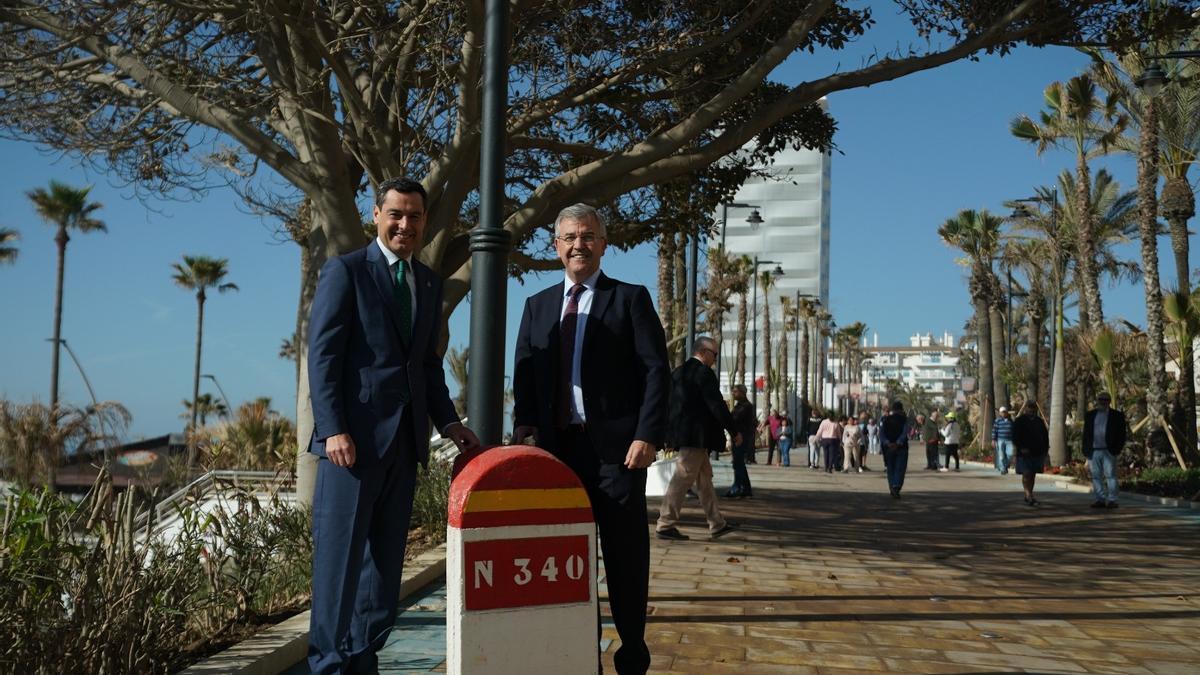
<point x="520" y="566"/>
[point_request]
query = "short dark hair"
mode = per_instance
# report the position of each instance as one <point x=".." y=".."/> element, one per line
<point x="402" y="185"/>
<point x="897" y="406"/>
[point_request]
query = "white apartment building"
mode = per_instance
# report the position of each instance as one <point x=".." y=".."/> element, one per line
<point x="927" y="360"/>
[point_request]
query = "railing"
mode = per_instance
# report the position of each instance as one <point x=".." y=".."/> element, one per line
<point x="200" y="487"/>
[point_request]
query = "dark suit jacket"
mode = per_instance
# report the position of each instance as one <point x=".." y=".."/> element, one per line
<point x="361" y="375"/>
<point x="624" y="368"/>
<point x="1114" y="432"/>
<point x="699" y="416"/>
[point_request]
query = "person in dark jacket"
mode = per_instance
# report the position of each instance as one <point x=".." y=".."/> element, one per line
<point x="698" y="422"/>
<point x="1103" y="440"/>
<point x="745" y="421"/>
<point x="893" y="439"/>
<point x="1032" y="441"/>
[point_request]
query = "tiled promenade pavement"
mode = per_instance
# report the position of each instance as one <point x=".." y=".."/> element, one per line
<point x="829" y="574"/>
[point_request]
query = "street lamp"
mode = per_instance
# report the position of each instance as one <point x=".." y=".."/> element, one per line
<point x="778" y="272"/>
<point x="1154" y="78"/>
<point x="228" y="407"/>
<point x="95" y="403"/>
<point x="754" y="219"/>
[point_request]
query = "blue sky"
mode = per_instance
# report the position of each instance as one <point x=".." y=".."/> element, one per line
<point x="914" y="152"/>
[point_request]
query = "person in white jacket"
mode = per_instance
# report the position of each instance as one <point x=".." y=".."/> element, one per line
<point x="952" y="435"/>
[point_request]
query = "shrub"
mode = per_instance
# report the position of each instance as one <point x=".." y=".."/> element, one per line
<point x="1166" y="482"/>
<point x="432" y="499"/>
<point x="83" y="588"/>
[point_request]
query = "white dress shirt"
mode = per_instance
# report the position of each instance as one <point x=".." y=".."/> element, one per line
<point x="392" y="259"/>
<point x="578" y="414"/>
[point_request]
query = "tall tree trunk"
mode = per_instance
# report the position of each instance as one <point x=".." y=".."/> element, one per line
<point x="1178" y="206"/>
<point x="766" y="350"/>
<point x="60" y="238"/>
<point x="1044" y="374"/>
<point x="1089" y="274"/>
<point x="739" y="361"/>
<point x="983" y="333"/>
<point x="681" y="285"/>
<point x="781" y="395"/>
<point x="196" y="378"/>
<point x="996" y="331"/>
<point x="666" y="283"/>
<point x="1036" y="315"/>
<point x="1058" y="394"/>
<point x="804" y="363"/>
<point x="1156" y="387"/>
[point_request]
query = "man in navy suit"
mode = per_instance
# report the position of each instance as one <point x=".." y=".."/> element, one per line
<point x="590" y="385"/>
<point x="376" y="380"/>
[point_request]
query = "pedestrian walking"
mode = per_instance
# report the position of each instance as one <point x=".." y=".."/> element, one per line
<point x="893" y="438"/>
<point x="1002" y="441"/>
<point x="814" y="440"/>
<point x="862" y="442"/>
<point x="872" y="436"/>
<point x="785" y="440"/>
<point x="829" y="434"/>
<point x="745" y="422"/>
<point x="698" y="422"/>
<point x="1103" y="440"/>
<point x="851" y="435"/>
<point x="951" y="436"/>
<point x="771" y="429"/>
<point x="929" y="436"/>
<point x="1032" y="442"/>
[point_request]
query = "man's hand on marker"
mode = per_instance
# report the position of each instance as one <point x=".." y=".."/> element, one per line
<point x="523" y="432"/>
<point x="462" y="436"/>
<point x="641" y="455"/>
<point x="340" y="450"/>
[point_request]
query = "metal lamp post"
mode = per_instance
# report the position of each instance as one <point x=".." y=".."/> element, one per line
<point x="778" y="272"/>
<point x="754" y="219"/>
<point x="225" y="398"/>
<point x="490" y="242"/>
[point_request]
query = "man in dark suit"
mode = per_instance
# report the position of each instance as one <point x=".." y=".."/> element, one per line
<point x="376" y="379"/>
<point x="590" y="385"/>
<point x="1103" y="441"/>
<point x="699" y="420"/>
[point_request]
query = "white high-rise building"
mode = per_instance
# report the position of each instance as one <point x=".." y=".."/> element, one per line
<point x="794" y="202"/>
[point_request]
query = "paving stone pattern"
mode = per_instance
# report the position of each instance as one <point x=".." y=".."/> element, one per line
<point x="829" y="574"/>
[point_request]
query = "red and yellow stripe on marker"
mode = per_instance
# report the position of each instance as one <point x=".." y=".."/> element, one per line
<point x="518" y="485"/>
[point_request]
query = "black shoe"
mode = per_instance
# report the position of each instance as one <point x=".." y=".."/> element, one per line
<point x="672" y="533"/>
<point x="1111" y="505"/>
<point x="895" y="493"/>
<point x="730" y="526"/>
<point x="1098" y="504"/>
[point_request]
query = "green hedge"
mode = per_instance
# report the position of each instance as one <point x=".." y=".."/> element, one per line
<point x="1165" y="482"/>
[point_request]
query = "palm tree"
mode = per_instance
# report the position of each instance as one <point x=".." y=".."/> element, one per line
<point x="1168" y="142"/>
<point x="206" y="404"/>
<point x="766" y="281"/>
<point x="8" y="251"/>
<point x="977" y="234"/>
<point x="805" y="311"/>
<point x="34" y="437"/>
<point x="1033" y="257"/>
<point x="789" y="323"/>
<point x="744" y="275"/>
<point x="66" y="208"/>
<point x="666" y="282"/>
<point x="1076" y="118"/>
<point x="457" y="361"/>
<point x="200" y="273"/>
<point x="852" y="336"/>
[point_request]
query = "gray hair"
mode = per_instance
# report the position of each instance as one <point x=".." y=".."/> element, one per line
<point x="581" y="212"/>
<point x="702" y="343"/>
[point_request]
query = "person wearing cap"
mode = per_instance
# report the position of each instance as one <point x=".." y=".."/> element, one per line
<point x="1103" y="440"/>
<point x="1002" y="441"/>
<point x="951" y="435"/>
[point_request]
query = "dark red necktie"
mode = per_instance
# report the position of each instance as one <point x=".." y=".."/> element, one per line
<point x="566" y="332"/>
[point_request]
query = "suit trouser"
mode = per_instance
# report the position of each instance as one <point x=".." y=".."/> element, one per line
<point x="360" y="528"/>
<point x="692" y="467"/>
<point x="618" y="497"/>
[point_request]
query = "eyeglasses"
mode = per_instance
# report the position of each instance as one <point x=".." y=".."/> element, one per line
<point x="585" y="239"/>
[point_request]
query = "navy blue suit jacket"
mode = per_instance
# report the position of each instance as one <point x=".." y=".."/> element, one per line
<point x="361" y="375"/>
<point x="624" y="371"/>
